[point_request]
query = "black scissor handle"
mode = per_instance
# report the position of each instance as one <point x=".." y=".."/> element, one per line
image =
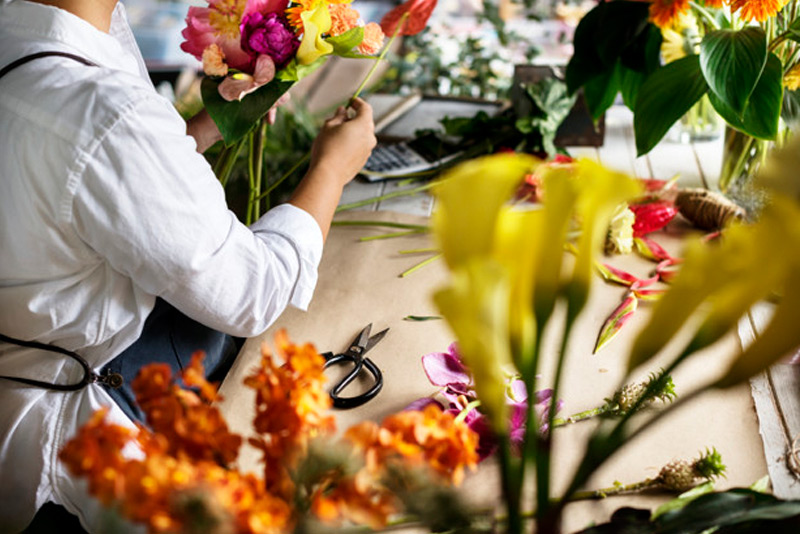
<point x="359" y="364"/>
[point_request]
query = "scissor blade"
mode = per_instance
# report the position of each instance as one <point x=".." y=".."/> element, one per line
<point x="362" y="339"/>
<point x="371" y="342"/>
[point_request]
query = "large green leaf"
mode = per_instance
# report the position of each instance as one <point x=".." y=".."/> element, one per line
<point x="585" y="62"/>
<point x="732" y="62"/>
<point x="664" y="97"/>
<point x="629" y="83"/>
<point x="760" y="118"/>
<point x="602" y="36"/>
<point x="644" y="53"/>
<point x="734" y="511"/>
<point x="235" y="119"/>
<point x="601" y="91"/>
<point x="621" y="24"/>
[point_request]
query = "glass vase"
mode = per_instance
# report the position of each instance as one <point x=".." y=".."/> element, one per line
<point x="700" y="123"/>
<point x="741" y="157"/>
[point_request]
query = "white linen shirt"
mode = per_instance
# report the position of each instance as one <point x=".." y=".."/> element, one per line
<point x="105" y="205"/>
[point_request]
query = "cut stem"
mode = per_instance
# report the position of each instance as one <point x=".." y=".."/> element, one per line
<point x="394" y="194"/>
<point x="419" y="266"/>
<point x="391" y="235"/>
<point x="380" y="58"/>
<point x="616" y="489"/>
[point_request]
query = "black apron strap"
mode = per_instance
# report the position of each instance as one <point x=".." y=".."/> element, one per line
<point x="47" y="53"/>
<point x="112" y="380"/>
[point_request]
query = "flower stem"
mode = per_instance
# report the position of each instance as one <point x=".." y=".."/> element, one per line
<point x="705" y="14"/>
<point x="261" y="139"/>
<point x="418" y="250"/>
<point x="226" y="160"/>
<point x="616" y="489"/>
<point x="388" y="224"/>
<point x="581" y="416"/>
<point x="420" y="265"/>
<point x="280" y="180"/>
<point x="380" y="58"/>
<point x="511" y="493"/>
<point x="391" y="235"/>
<point x="251" y="175"/>
<point x="394" y="194"/>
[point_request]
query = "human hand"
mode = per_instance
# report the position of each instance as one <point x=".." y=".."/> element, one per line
<point x="345" y="142"/>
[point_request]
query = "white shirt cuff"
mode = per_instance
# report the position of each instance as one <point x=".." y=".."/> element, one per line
<point x="300" y="229"/>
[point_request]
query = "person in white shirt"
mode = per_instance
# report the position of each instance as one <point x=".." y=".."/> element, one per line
<point x="106" y="209"/>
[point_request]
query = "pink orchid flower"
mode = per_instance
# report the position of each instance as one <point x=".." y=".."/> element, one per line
<point x="446" y="370"/>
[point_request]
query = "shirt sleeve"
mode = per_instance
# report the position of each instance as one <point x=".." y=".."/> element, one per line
<point x="150" y="205"/>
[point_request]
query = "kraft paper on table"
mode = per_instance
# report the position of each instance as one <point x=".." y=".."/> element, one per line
<point x="359" y="284"/>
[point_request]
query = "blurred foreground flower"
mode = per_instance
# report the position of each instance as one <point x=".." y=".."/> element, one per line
<point x="182" y="479"/>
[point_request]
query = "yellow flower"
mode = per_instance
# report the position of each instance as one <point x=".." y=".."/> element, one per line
<point x="601" y="191"/>
<point x="469" y="198"/>
<point x="561" y="193"/>
<point x="476" y="307"/>
<point x="316" y="22"/>
<point x="517" y="248"/>
<point x="680" y="38"/>
<point x="791" y="80"/>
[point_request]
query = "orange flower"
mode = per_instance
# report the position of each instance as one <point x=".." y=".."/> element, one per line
<point x="716" y="4"/>
<point x="191" y="426"/>
<point x="359" y="499"/>
<point x="293" y="14"/>
<point x="343" y="18"/>
<point x="430" y="436"/>
<point x="759" y="10"/>
<point x="373" y="39"/>
<point x="290" y="408"/>
<point x="413" y="15"/>
<point x="664" y="12"/>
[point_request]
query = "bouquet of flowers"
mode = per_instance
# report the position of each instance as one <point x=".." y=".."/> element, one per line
<point x="743" y="56"/>
<point x="259" y="48"/>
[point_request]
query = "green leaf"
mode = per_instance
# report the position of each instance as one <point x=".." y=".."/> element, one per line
<point x="794" y="30"/>
<point x="585" y="62"/>
<point x="235" y="119"/>
<point x="663" y="98"/>
<point x="294" y="72"/>
<point x="629" y="83"/>
<point x="732" y="62"/>
<point x="601" y="91"/>
<point x="644" y="54"/>
<point x="421" y="317"/>
<point x="346" y="42"/>
<point x="622" y="22"/>
<point x="760" y="118"/>
<point x="684" y="498"/>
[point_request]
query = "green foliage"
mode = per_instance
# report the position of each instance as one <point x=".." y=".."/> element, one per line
<point x="732" y="62"/>
<point x="455" y="65"/>
<point x="664" y="97"/>
<point x="615" y="50"/>
<point x="236" y="119"/>
<point x="552" y="104"/>
<point x="734" y="511"/>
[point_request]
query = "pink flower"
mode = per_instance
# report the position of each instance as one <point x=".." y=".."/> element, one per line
<point x="239" y="85"/>
<point x="268" y="34"/>
<point x="219" y="24"/>
<point x="445" y="369"/>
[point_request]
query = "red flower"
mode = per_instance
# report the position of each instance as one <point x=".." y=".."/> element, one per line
<point x="414" y="15"/>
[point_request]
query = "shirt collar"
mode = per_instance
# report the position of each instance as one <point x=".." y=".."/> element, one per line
<point x="48" y="24"/>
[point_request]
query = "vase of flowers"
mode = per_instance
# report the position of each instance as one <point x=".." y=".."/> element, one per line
<point x="745" y="65"/>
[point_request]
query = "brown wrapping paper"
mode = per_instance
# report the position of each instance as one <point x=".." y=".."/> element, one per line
<point x="359" y="284"/>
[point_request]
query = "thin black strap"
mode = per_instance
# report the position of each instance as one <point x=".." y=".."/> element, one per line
<point x="112" y="380"/>
<point x="47" y="53"/>
<point x="89" y="377"/>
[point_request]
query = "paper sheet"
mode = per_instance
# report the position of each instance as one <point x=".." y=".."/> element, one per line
<point x="359" y="284"/>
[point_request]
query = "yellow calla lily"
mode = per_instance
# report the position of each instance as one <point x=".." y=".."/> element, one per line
<point x="476" y="308"/>
<point x="517" y="248"/>
<point x="316" y="21"/>
<point x="561" y="193"/>
<point x="601" y="191"/>
<point x="469" y="198"/>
